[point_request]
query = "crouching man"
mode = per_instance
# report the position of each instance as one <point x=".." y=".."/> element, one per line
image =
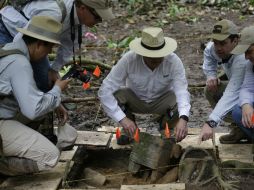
<point x="24" y="150"/>
<point x="149" y="79"/>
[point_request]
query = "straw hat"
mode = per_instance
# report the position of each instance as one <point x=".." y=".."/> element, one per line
<point x="102" y="7"/>
<point x="153" y="43"/>
<point x="246" y="40"/>
<point x="223" y="29"/>
<point x="43" y="28"/>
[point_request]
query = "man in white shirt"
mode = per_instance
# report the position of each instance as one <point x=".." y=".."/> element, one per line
<point x="223" y="95"/>
<point x="71" y="13"/>
<point x="243" y="113"/>
<point x="148" y="79"/>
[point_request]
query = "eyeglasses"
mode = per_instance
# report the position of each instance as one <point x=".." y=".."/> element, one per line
<point x="95" y="14"/>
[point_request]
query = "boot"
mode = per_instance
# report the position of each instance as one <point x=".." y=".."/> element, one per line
<point x="14" y="166"/>
<point x="234" y="137"/>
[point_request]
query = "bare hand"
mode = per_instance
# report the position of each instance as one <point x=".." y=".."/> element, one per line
<point x="212" y="83"/>
<point x="63" y="84"/>
<point x="247" y="112"/>
<point x="181" y="130"/>
<point x="62" y="114"/>
<point x="206" y="133"/>
<point x="129" y="126"/>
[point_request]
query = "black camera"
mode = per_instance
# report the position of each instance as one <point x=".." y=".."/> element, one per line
<point x="76" y="72"/>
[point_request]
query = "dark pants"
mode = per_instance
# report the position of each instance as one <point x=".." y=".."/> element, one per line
<point x="237" y="117"/>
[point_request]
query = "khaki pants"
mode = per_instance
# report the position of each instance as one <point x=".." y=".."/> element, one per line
<point x="214" y="96"/>
<point x="20" y="141"/>
<point x="163" y="106"/>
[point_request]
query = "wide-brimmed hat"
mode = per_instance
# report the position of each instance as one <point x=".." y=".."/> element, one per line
<point x="153" y="43"/>
<point x="102" y="7"/>
<point x="246" y="40"/>
<point x="43" y="28"/>
<point x="223" y="29"/>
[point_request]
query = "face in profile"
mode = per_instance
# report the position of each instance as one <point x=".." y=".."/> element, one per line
<point x="223" y="48"/>
<point x="249" y="54"/>
<point x="88" y="16"/>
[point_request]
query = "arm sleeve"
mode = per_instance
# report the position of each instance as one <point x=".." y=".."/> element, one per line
<point x="180" y="87"/>
<point x="247" y="92"/>
<point x="32" y="102"/>
<point x="231" y="93"/>
<point x="210" y="63"/>
<point x="115" y="79"/>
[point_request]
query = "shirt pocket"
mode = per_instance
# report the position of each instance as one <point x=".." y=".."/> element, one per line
<point x="138" y="82"/>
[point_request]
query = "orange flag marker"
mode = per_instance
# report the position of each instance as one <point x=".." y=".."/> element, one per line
<point x="118" y="133"/>
<point x="136" y="136"/>
<point x="97" y="71"/>
<point x="252" y="119"/>
<point x="85" y="72"/>
<point x="167" y="131"/>
<point x="86" y="85"/>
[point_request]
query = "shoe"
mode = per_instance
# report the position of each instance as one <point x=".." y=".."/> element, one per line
<point x="234" y="137"/>
<point x="123" y="140"/>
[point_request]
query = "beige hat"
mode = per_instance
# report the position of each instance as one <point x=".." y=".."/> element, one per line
<point x="153" y="43"/>
<point x="223" y="29"/>
<point x="102" y="7"/>
<point x="43" y="28"/>
<point x="246" y="40"/>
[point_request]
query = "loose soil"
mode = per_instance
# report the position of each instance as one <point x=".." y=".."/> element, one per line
<point x="191" y="37"/>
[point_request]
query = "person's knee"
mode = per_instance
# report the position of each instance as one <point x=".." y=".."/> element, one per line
<point x="49" y="159"/>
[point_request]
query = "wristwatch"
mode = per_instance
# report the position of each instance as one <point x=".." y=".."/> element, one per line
<point x="212" y="123"/>
<point x="184" y="117"/>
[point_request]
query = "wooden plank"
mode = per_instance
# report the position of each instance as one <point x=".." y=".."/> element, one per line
<point x="108" y="129"/>
<point x="48" y="180"/>
<point x="93" y="138"/>
<point x="217" y="136"/>
<point x="192" y="140"/>
<point x="240" y="152"/>
<point x="194" y="130"/>
<point x="114" y="145"/>
<point x="169" y="186"/>
<point x="68" y="155"/>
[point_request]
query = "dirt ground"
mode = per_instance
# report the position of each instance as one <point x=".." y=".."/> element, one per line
<point x="190" y="30"/>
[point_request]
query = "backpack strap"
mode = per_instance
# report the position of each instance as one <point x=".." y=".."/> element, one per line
<point x="63" y="9"/>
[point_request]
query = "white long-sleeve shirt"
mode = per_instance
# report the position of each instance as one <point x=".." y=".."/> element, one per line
<point x="13" y="19"/>
<point x="235" y="70"/>
<point x="247" y="88"/>
<point x="148" y="85"/>
<point x="18" y="90"/>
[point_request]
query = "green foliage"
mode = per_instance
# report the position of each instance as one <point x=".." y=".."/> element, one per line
<point x="64" y="70"/>
<point x="124" y="43"/>
<point x="175" y="10"/>
<point x="251" y="2"/>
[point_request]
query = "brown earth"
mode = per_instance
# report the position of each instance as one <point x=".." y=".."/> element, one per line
<point x="190" y="30"/>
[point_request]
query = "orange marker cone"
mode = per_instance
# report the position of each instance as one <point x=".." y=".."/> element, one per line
<point x="97" y="71"/>
<point x="136" y="136"/>
<point x="252" y="119"/>
<point x="118" y="133"/>
<point x="167" y="131"/>
<point x="86" y="85"/>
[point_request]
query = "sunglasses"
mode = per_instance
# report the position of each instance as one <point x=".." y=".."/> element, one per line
<point x="95" y="14"/>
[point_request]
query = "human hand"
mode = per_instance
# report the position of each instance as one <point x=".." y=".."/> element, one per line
<point x="181" y="130"/>
<point x="129" y="126"/>
<point x="62" y="114"/>
<point x="63" y="84"/>
<point x="206" y="133"/>
<point x="212" y="83"/>
<point x="247" y="113"/>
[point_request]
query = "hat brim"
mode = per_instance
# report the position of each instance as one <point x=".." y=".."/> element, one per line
<point x="240" y="49"/>
<point x="219" y="37"/>
<point x="170" y="47"/>
<point x="37" y="36"/>
<point x="105" y="14"/>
